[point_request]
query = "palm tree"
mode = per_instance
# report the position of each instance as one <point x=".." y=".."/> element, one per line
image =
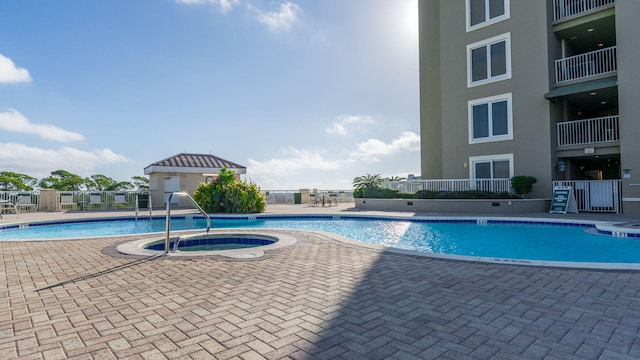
<point x="394" y="179"/>
<point x="365" y="181"/>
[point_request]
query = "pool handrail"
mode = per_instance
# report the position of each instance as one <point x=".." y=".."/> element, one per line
<point x="168" y="221"/>
<point x="148" y="206"/>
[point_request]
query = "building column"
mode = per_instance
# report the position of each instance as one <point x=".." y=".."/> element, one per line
<point x="430" y="93"/>
<point x="627" y="30"/>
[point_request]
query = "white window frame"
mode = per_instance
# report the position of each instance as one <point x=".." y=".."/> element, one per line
<point x="508" y="97"/>
<point x="473" y="160"/>
<point x="506" y="38"/>
<point x="488" y="21"/>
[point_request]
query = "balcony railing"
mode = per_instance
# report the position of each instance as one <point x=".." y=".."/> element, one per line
<point x="566" y="8"/>
<point x="80" y="200"/>
<point x="586" y="65"/>
<point x="410" y="187"/>
<point x="589" y="131"/>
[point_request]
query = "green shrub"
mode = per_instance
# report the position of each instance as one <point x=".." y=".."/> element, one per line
<point x="522" y="184"/>
<point x="424" y="194"/>
<point x="377" y="192"/>
<point x="226" y="194"/>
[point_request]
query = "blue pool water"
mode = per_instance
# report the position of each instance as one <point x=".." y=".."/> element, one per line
<point x="214" y="243"/>
<point x="495" y="240"/>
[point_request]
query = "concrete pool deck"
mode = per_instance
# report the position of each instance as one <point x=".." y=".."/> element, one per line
<point x="317" y="299"/>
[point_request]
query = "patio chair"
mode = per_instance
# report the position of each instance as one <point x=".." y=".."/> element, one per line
<point x="95" y="199"/>
<point x="24" y="202"/>
<point x="7" y="207"/>
<point x="120" y="198"/>
<point x="313" y="199"/>
<point x="66" y="201"/>
<point x="333" y="199"/>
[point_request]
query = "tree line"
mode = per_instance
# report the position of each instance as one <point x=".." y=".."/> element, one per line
<point x="66" y="181"/>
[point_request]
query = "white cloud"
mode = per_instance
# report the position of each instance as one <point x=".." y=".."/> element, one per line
<point x="13" y="121"/>
<point x="339" y="127"/>
<point x="298" y="168"/>
<point x="293" y="160"/>
<point x="225" y="5"/>
<point x="10" y="73"/>
<point x="297" y="160"/>
<point x="280" y="19"/>
<point x="40" y="163"/>
<point x="408" y="141"/>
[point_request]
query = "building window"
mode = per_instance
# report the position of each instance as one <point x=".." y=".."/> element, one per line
<point x="490" y="119"/>
<point x="491" y="167"/>
<point x="489" y="60"/>
<point x="481" y="13"/>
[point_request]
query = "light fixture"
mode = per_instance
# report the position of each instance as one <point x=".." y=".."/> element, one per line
<point x="590" y="29"/>
<point x="562" y="166"/>
<point x="603" y="102"/>
<point x="593" y="93"/>
<point x="600" y="45"/>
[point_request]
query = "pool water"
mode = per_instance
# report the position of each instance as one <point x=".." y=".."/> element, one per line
<point x="212" y="242"/>
<point x="495" y="240"/>
<point x="216" y="247"/>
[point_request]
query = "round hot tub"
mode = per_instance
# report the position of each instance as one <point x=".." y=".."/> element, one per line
<point x="215" y="242"/>
<point x="228" y="244"/>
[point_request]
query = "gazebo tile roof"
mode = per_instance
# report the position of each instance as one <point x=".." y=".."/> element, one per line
<point x="197" y="161"/>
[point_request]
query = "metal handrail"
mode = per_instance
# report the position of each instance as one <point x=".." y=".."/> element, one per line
<point x="168" y="221"/>
<point x="413" y="186"/>
<point x="589" y="131"/>
<point x="149" y="205"/>
<point x="581" y="66"/>
<point x="564" y="9"/>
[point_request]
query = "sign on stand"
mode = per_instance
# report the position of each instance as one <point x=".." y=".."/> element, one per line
<point x="563" y="200"/>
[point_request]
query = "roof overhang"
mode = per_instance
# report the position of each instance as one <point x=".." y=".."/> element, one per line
<point x="582" y="87"/>
<point x="188" y="170"/>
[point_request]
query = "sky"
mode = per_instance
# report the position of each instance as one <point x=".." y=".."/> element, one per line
<point x="304" y="93"/>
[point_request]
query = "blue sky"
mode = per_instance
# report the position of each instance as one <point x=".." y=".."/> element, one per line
<point x="305" y="93"/>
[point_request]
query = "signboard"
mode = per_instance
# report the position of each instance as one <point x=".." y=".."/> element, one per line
<point x="563" y="200"/>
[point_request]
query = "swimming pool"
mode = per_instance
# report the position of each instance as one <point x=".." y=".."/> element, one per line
<point x="555" y="241"/>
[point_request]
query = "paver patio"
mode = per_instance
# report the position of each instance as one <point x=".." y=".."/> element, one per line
<point x="317" y="299"/>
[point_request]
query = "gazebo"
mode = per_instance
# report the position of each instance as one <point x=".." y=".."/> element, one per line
<point x="184" y="172"/>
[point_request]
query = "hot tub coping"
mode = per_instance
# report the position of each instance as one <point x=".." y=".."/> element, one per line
<point x="137" y="247"/>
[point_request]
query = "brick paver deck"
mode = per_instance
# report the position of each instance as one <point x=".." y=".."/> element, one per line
<point x="318" y="299"/>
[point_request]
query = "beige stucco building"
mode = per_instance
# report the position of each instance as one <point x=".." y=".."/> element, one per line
<point x="545" y="88"/>
<point x="184" y="173"/>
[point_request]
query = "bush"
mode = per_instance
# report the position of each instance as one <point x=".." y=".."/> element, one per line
<point x="522" y="184"/>
<point x="377" y="192"/>
<point x="227" y="194"/>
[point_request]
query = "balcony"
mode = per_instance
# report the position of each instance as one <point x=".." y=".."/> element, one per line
<point x="566" y="8"/>
<point x="589" y="131"/>
<point x="587" y="65"/>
